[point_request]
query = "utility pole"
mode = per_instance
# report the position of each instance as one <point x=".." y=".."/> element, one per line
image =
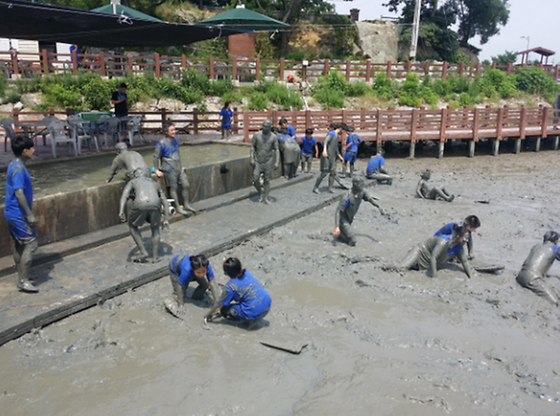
<point x="415" y="30"/>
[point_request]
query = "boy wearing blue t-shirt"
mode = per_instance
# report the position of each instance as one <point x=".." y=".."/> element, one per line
<point x="351" y="150"/>
<point x="226" y="114"/>
<point x="18" y="211"/>
<point x="376" y="169"/>
<point x="471" y="222"/>
<point x="244" y="297"/>
<point x="308" y="144"/>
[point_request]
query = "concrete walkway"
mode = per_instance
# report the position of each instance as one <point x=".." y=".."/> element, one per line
<point x="69" y="282"/>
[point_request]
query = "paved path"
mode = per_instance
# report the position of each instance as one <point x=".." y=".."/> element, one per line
<point x="77" y="281"/>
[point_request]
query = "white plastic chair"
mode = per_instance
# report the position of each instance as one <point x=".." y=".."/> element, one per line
<point x="112" y="129"/>
<point x="44" y="123"/>
<point x="134" y="128"/>
<point x="8" y="125"/>
<point x="80" y="131"/>
<point x="57" y="131"/>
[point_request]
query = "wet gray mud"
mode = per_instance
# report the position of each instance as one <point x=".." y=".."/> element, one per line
<point x="378" y="342"/>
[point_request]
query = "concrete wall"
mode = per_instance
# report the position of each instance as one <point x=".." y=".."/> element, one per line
<point x="65" y="215"/>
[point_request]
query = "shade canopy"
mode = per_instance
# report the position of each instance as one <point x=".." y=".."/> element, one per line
<point x="241" y="18"/>
<point x="45" y="22"/>
<point x="117" y="8"/>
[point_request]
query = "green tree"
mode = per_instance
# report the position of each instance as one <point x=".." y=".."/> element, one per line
<point x="508" y="57"/>
<point x="481" y="17"/>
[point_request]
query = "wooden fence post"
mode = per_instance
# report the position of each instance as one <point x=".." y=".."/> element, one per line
<point x="234" y="68"/>
<point x="235" y="120"/>
<point x="130" y="63"/>
<point x="413" y="127"/>
<point x="102" y="70"/>
<point x="544" y="123"/>
<point x="211" y="64"/>
<point x="326" y="68"/>
<point x="195" y="120"/>
<point x="556" y="72"/>
<point x="184" y="62"/>
<point x="508" y="69"/>
<point x="408" y="66"/>
<point x="163" y="117"/>
<point x="476" y="123"/>
<point x="522" y="120"/>
<point x="258" y="68"/>
<point x="388" y="73"/>
<point x="443" y="127"/>
<point x="426" y="67"/>
<point x="15" y="114"/>
<point x="378" y="134"/>
<point x="493" y="65"/>
<point x="499" y="123"/>
<point x="74" y="62"/>
<point x="368" y="70"/>
<point x="246" y="126"/>
<point x="281" y="71"/>
<point x="45" y="58"/>
<point x="308" y="119"/>
<point x="461" y="68"/>
<point x="444" y="70"/>
<point x="348" y="67"/>
<point x="157" y="66"/>
<point x="477" y="70"/>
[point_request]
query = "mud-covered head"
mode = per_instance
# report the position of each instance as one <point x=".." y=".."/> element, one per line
<point x="380" y="151"/>
<point x="460" y="235"/>
<point x="233" y="268"/>
<point x="121" y="147"/>
<point x="349" y="129"/>
<point x="357" y="184"/>
<point x="143" y="172"/>
<point x="551" y="236"/>
<point x="199" y="265"/>
<point x="471" y="222"/>
<point x="426" y="175"/>
<point x="267" y="126"/>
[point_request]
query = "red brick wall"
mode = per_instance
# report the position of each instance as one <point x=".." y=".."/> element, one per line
<point x="242" y="44"/>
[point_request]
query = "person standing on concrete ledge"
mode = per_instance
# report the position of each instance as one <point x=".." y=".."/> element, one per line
<point x="18" y="211"/>
<point x="127" y="160"/>
<point x="329" y="157"/>
<point x="537" y="265"/>
<point x="291" y="156"/>
<point x="147" y="205"/>
<point x="351" y="150"/>
<point x="167" y="164"/>
<point x="264" y="158"/>
<point x="424" y="191"/>
<point x="347" y="210"/>
<point x="244" y="297"/>
<point x="376" y="169"/>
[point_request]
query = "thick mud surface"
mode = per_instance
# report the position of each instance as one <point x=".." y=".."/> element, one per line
<point x="378" y="342"/>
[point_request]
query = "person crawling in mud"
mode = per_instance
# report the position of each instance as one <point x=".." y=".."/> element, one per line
<point x="471" y="222"/>
<point x="183" y="270"/>
<point x="147" y="206"/>
<point x="347" y="210"/>
<point x="244" y="297"/>
<point x="537" y="265"/>
<point x="127" y="160"/>
<point x="424" y="191"/>
<point x="433" y="253"/>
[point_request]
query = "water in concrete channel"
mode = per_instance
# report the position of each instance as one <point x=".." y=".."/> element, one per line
<point x="80" y="173"/>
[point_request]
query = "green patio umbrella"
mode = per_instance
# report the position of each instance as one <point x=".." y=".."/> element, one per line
<point x="241" y="18"/>
<point x="117" y="8"/>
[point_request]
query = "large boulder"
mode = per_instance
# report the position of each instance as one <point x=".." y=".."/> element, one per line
<point x="379" y="40"/>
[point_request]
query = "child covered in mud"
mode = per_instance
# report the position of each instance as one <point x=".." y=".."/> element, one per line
<point x="537" y="265"/>
<point x="183" y="270"/>
<point x="244" y="297"/>
<point x="351" y="150"/>
<point x="308" y="145"/>
<point x="433" y="253"/>
<point x="471" y="222"/>
<point x="424" y="191"/>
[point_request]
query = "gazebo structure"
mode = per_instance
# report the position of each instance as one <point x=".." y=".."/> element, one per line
<point x="115" y="7"/>
<point x="541" y="51"/>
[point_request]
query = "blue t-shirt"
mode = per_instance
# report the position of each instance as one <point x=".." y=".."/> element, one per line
<point x="168" y="149"/>
<point x="282" y="137"/>
<point x="17" y="177"/>
<point x="374" y="164"/>
<point x="308" y="145"/>
<point x="247" y="291"/>
<point x="226" y="115"/>
<point x="447" y="229"/>
<point x="452" y="251"/>
<point x="291" y="131"/>
<point x="181" y="266"/>
<point x="355" y="140"/>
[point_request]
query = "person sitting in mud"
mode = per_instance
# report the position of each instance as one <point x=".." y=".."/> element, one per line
<point x="127" y="160"/>
<point x="183" y="270"/>
<point x="244" y="297"/>
<point x="329" y="158"/>
<point x="424" y="191"/>
<point x="537" y="265"/>
<point x="350" y="150"/>
<point x="291" y="152"/>
<point x="433" y="253"/>
<point x="167" y="163"/>
<point x="147" y="206"/>
<point x="471" y="222"/>
<point x="308" y="144"/>
<point x="347" y="210"/>
<point x="376" y="169"/>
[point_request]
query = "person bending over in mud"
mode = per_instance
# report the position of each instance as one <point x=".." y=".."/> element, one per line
<point x="471" y="222"/>
<point x="424" y="191"/>
<point x="346" y="211"/>
<point x="184" y="269"/>
<point x="128" y="160"/>
<point x="434" y="252"/>
<point x="147" y="205"/>
<point x="537" y="265"/>
<point x="244" y="297"/>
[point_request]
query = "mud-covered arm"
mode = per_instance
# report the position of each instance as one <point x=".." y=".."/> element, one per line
<point x="339" y="209"/>
<point x="124" y="197"/>
<point x="165" y="204"/>
<point x="22" y="201"/>
<point x="326" y="142"/>
<point x="436" y="252"/>
<point x="253" y="150"/>
<point x="276" y="153"/>
<point x="157" y="157"/>
<point x="465" y="262"/>
<point x="372" y="200"/>
<point x="114" y="170"/>
<point x="419" y="189"/>
<point x="470" y="247"/>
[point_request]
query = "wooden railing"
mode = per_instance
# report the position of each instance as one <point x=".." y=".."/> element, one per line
<point x="28" y="64"/>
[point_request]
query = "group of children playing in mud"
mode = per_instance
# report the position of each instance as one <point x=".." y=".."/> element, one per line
<point x="143" y="200"/>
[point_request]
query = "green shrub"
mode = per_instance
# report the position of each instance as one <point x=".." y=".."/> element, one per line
<point x="285" y="99"/>
<point x="465" y="100"/>
<point x="508" y="88"/>
<point x="232" y="97"/>
<point x="13" y="96"/>
<point x="459" y="84"/>
<point x="357" y="89"/>
<point x="3" y="84"/>
<point x="534" y="80"/>
<point x="96" y="94"/>
<point x="57" y="95"/>
<point x="258" y="101"/>
<point x="385" y="88"/>
<point x="494" y="77"/>
<point x="489" y="91"/>
<point x="334" y="99"/>
<point x="428" y="95"/>
<point x="192" y="80"/>
<point x="220" y="87"/>
<point x="410" y="91"/>
<point x="442" y="87"/>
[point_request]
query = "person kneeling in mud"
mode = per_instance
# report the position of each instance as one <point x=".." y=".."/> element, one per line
<point x="183" y="270"/>
<point x="376" y="169"/>
<point x="537" y="265"/>
<point x="345" y="212"/>
<point x="471" y="222"/>
<point x="433" y="253"/>
<point x="424" y="191"/>
<point x="149" y="205"/>
<point x="244" y="297"/>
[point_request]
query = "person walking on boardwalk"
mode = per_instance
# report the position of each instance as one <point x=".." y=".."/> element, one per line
<point x="18" y="211"/>
<point x="264" y="158"/>
<point x="537" y="265"/>
<point x="167" y="163"/>
<point x="329" y="157"/>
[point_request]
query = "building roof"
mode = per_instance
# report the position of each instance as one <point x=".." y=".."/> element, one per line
<point x="539" y="50"/>
<point x="245" y="19"/>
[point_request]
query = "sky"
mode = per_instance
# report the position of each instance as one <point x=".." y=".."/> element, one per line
<point x="536" y="19"/>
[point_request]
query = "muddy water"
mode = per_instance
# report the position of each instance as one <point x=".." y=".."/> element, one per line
<point x="79" y="173"/>
<point x="378" y="342"/>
